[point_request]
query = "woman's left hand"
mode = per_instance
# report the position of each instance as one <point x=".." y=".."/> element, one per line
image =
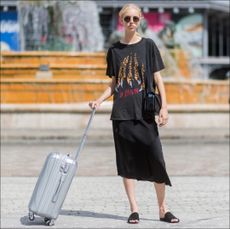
<point x="163" y="117"/>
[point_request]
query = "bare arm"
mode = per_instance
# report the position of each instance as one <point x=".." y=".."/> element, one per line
<point x="105" y="95"/>
<point x="161" y="88"/>
<point x="163" y="116"/>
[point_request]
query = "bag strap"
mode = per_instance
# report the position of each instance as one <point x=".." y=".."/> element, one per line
<point x="148" y="77"/>
<point x="76" y="154"/>
<point x="148" y="84"/>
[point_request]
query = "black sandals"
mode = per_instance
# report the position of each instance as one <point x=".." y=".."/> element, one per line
<point x="133" y="218"/>
<point x="170" y="218"/>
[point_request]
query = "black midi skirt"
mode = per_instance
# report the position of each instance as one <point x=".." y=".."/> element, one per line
<point x="139" y="152"/>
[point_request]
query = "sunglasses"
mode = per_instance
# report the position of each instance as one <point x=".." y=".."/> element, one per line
<point x="127" y="19"/>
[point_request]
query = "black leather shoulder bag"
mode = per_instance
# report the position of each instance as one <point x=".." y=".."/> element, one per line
<point x="152" y="100"/>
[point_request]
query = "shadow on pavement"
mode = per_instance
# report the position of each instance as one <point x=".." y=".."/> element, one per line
<point x="37" y="221"/>
<point x="40" y="221"/>
<point x="92" y="214"/>
<point x="96" y="215"/>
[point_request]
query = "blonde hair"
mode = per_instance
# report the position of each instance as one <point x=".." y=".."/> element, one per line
<point x="127" y="6"/>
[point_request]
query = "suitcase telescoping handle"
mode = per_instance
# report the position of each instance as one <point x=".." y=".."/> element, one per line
<point x="84" y="135"/>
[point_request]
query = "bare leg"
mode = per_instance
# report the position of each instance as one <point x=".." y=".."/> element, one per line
<point x="130" y="191"/>
<point x="160" y="191"/>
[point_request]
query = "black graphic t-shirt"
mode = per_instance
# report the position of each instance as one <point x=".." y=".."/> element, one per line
<point x="131" y="64"/>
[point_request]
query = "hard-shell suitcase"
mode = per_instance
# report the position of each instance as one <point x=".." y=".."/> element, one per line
<point x="53" y="183"/>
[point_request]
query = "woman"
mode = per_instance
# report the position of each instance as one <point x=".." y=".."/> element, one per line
<point x="138" y="148"/>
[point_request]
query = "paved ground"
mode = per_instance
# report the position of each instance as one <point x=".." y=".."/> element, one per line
<point x="184" y="157"/>
<point x="100" y="202"/>
<point x="199" y="170"/>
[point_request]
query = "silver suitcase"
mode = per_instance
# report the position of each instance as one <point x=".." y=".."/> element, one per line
<point x="54" y="182"/>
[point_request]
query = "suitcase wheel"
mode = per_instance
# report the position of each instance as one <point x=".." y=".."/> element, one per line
<point x="49" y="222"/>
<point x="31" y="216"/>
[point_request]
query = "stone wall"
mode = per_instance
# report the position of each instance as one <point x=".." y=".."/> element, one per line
<point x="75" y="91"/>
<point x="67" y="121"/>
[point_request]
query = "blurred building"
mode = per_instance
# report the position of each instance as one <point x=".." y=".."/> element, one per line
<point x="200" y="28"/>
<point x="9" y="29"/>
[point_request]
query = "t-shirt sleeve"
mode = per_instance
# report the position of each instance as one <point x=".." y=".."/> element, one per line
<point x="110" y="67"/>
<point x="157" y="62"/>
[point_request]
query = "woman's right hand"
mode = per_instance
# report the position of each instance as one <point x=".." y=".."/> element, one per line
<point x="94" y="104"/>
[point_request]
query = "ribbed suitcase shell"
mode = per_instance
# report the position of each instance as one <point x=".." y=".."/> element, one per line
<point x="54" y="181"/>
<point x="52" y="185"/>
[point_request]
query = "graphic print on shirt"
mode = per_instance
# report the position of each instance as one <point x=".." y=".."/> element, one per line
<point x="131" y="76"/>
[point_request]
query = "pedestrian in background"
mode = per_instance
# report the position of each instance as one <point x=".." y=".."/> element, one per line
<point x="138" y="147"/>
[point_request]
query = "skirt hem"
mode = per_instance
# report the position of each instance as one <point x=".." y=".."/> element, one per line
<point x="145" y="179"/>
